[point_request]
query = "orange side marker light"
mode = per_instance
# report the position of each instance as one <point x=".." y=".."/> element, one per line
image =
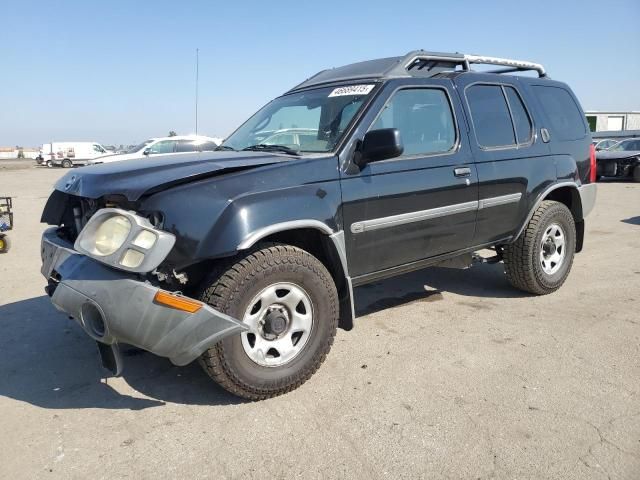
<point x="174" y="301"/>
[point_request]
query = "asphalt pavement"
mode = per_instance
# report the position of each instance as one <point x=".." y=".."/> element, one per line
<point x="447" y="374"/>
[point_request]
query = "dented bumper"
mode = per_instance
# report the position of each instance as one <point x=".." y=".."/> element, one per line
<point x="114" y="307"/>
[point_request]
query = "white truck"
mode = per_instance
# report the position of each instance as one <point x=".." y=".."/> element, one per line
<point x="68" y="154"/>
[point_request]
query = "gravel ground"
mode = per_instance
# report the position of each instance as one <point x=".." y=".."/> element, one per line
<point x="448" y="374"/>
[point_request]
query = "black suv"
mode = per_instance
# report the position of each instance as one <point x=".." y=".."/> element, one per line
<point x="246" y="258"/>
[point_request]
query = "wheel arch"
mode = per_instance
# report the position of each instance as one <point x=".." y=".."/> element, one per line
<point x="568" y="194"/>
<point x="323" y="243"/>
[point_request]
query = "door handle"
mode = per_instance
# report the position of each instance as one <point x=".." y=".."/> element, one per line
<point x="544" y="133"/>
<point x="462" y="172"/>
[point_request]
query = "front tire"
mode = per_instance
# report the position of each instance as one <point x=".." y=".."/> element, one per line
<point x="290" y="302"/>
<point x="540" y="259"/>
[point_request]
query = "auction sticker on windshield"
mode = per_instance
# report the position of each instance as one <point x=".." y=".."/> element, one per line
<point x="351" y="90"/>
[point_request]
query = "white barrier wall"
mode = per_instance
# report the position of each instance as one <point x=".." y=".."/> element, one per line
<point x="32" y="154"/>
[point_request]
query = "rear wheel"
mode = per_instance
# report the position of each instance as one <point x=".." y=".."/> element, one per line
<point x="540" y="259"/>
<point x="5" y="244"/>
<point x="66" y="163"/>
<point x="288" y="300"/>
<point x="636" y="173"/>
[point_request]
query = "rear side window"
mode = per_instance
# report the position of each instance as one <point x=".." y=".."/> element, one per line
<point x="186" y="146"/>
<point x="567" y="122"/>
<point x="490" y="116"/>
<point x="207" y="147"/>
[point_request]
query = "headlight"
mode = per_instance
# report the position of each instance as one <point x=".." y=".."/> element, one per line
<point x="108" y="237"/>
<point x="124" y="240"/>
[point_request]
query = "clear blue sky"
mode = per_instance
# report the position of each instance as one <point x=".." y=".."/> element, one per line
<point x="122" y="71"/>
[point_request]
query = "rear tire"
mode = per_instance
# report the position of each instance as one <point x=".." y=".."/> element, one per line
<point x="238" y="288"/>
<point x="540" y="259"/>
<point x="66" y="163"/>
<point x="636" y="174"/>
<point x="5" y="244"/>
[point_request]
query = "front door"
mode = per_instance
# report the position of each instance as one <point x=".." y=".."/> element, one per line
<point x="421" y="204"/>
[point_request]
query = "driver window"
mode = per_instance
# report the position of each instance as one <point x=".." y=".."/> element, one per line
<point x="424" y="118"/>
<point x="164" y="146"/>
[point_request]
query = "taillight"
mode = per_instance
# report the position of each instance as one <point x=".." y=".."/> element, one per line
<point x="592" y="163"/>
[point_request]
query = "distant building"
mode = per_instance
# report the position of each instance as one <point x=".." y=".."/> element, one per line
<point x="613" y="121"/>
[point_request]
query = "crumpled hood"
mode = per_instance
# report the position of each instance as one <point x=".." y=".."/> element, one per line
<point x="132" y="178"/>
<point x="606" y="155"/>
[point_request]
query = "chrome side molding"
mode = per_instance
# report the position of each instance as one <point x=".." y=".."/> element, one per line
<point x="421" y="215"/>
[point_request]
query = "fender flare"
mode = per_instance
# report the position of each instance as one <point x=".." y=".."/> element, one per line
<point x="541" y="198"/>
<point x="263" y="232"/>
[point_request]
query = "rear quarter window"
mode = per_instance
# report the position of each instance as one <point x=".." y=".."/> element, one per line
<point x="562" y="111"/>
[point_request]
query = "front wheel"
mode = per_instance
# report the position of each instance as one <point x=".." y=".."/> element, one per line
<point x="540" y="259"/>
<point x="49" y="164"/>
<point x="289" y="301"/>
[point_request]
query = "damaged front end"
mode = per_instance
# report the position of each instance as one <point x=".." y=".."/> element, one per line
<point x="98" y="263"/>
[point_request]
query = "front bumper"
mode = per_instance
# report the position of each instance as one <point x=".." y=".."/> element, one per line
<point x="113" y="306"/>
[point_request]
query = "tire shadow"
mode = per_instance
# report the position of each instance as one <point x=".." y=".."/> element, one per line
<point x="48" y="361"/>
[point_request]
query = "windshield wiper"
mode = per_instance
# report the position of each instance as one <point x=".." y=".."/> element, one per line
<point x="224" y="147"/>
<point x="272" y="148"/>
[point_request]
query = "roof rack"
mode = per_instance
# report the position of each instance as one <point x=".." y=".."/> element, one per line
<point x="417" y="61"/>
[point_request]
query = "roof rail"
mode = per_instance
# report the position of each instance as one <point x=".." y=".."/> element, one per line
<point x="423" y="62"/>
<point x="512" y="65"/>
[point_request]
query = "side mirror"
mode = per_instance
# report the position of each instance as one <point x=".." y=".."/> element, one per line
<point x="380" y="145"/>
<point x="146" y="151"/>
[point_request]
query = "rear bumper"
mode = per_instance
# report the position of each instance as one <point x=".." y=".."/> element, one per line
<point x="587" y="197"/>
<point x="113" y="306"/>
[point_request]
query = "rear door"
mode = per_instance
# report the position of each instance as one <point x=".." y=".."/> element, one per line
<point x="421" y="204"/>
<point x="510" y="156"/>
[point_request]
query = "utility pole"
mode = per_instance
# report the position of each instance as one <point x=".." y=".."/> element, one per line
<point x="197" y="74"/>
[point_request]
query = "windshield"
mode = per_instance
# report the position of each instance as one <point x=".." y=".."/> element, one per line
<point x="621" y="146"/>
<point x="137" y="148"/>
<point x="311" y="121"/>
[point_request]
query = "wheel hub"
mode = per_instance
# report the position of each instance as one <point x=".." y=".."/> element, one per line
<point x="275" y="322"/>
<point x="552" y="249"/>
<point x="549" y="248"/>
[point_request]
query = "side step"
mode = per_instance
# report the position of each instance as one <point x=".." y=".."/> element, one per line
<point x="467" y="260"/>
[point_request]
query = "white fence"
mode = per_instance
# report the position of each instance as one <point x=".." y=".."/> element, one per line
<point x="14" y="153"/>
